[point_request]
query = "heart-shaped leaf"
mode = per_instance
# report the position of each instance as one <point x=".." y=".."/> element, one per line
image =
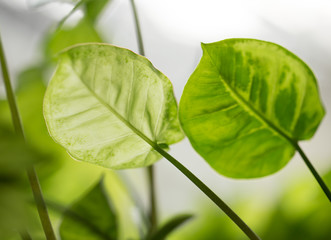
<point x="92" y="217"/>
<point x="246" y="104"/>
<point x="103" y="102"/>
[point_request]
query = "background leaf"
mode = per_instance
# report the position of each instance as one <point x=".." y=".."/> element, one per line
<point x="83" y="32"/>
<point x="93" y="8"/>
<point x="30" y="94"/>
<point x="102" y="99"/>
<point x="170" y="226"/>
<point x="91" y="218"/>
<point x="298" y="213"/>
<point x="15" y="157"/>
<point x="244" y="105"/>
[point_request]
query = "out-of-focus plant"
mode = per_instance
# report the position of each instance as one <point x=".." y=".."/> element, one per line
<point x="15" y="158"/>
<point x="244" y="109"/>
<point x="287" y="219"/>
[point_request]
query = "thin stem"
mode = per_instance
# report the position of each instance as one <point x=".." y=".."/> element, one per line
<point x="203" y="187"/>
<point x="41" y="205"/>
<point x="150" y="169"/>
<point x="60" y="24"/>
<point x="184" y="170"/>
<point x="134" y="195"/>
<point x="139" y="37"/>
<point x="10" y="94"/>
<point x="313" y="171"/>
<point x="212" y="196"/>
<point x="152" y="200"/>
<point x="228" y="211"/>
<point x="33" y="178"/>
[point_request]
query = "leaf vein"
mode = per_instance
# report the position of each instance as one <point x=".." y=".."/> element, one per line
<point x="249" y="107"/>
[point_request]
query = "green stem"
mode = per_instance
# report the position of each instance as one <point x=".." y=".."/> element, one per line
<point x="10" y="94"/>
<point x="150" y="169"/>
<point x="41" y="205"/>
<point x="33" y="178"/>
<point x="138" y="31"/>
<point x="152" y="200"/>
<point x="212" y="196"/>
<point x="313" y="171"/>
<point x="241" y="224"/>
<point x="203" y="187"/>
<point x="60" y="24"/>
<point x="135" y="196"/>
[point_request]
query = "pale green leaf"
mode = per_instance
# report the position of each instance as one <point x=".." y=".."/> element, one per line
<point x="171" y="225"/>
<point x="103" y="100"/>
<point x="246" y="103"/>
<point x="90" y="218"/>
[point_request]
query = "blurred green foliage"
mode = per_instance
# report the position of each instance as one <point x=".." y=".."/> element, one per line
<point x="31" y="86"/>
<point x="30" y="93"/>
<point x="93" y="217"/>
<point x="167" y="228"/>
<point x="302" y="212"/>
<point x="93" y="8"/>
<point x="15" y="157"/>
<point x="83" y="32"/>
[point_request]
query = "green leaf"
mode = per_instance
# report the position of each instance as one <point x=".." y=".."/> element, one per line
<point x="170" y="226"/>
<point x="92" y="10"/>
<point x="30" y="93"/>
<point x="245" y="105"/>
<point x="83" y="32"/>
<point x="104" y="100"/>
<point x="94" y="7"/>
<point x="15" y="157"/>
<point x="91" y="218"/>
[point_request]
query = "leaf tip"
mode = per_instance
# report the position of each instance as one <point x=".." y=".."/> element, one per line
<point x="188" y="216"/>
<point x="203" y="45"/>
<point x="102" y="178"/>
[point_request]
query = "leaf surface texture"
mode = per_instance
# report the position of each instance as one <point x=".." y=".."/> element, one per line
<point x="103" y="99"/>
<point x="244" y="105"/>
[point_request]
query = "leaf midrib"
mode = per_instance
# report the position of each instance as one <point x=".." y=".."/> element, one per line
<point x="119" y="116"/>
<point x="248" y="106"/>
